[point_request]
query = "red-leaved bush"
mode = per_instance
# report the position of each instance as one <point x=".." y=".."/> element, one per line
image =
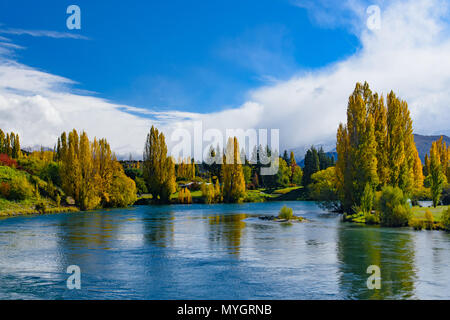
<point x="7" y="161"/>
<point x="5" y="189"/>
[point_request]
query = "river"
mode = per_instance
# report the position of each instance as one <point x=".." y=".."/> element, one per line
<point x="220" y="251"/>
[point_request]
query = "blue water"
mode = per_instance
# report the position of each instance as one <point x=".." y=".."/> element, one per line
<point x="217" y="252"/>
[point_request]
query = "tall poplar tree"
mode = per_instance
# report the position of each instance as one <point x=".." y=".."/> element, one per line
<point x="158" y="168"/>
<point x="232" y="173"/>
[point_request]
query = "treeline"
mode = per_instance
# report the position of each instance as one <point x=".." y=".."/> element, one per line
<point x="78" y="172"/>
<point x="224" y="176"/>
<point x="10" y="144"/>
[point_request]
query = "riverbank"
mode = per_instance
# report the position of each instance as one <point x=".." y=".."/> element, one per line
<point x="418" y="220"/>
<point x="252" y="196"/>
<point x="28" y="207"/>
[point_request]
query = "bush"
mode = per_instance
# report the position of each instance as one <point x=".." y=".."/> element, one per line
<point x="393" y="208"/>
<point x="7" y="161"/>
<point x="417" y="224"/>
<point x="122" y="191"/>
<point x="429" y="220"/>
<point x="324" y="190"/>
<point x="286" y="213"/>
<point x="58" y="200"/>
<point x="445" y="219"/>
<point x="20" y="189"/>
<point x="372" y="218"/>
<point x="4" y="189"/>
<point x="140" y="185"/>
<point x="41" y="207"/>
<point x="51" y="172"/>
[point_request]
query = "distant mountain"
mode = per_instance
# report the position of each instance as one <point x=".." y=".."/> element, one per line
<point x="300" y="152"/>
<point x="36" y="148"/>
<point x="423" y="143"/>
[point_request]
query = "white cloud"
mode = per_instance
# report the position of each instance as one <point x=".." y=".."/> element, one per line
<point x="408" y="55"/>
<point x="44" y="33"/>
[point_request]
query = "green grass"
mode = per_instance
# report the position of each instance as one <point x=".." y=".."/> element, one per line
<point x="7" y="173"/>
<point x="256" y="196"/>
<point x="419" y="213"/>
<point x="24" y="207"/>
<point x="285" y="190"/>
<point x="194" y="194"/>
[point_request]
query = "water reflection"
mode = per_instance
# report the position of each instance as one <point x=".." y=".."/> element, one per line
<point x="227" y="228"/>
<point x="390" y="249"/>
<point x="91" y="231"/>
<point x="159" y="228"/>
<point x="217" y="252"/>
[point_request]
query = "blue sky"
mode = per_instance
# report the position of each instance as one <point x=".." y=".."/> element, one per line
<point x="184" y="55"/>
<point x="288" y="65"/>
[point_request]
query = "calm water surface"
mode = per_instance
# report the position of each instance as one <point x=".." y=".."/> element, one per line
<point x="217" y="252"/>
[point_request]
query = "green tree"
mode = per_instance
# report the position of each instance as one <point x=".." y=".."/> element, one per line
<point x="324" y="190"/>
<point x="393" y="207"/>
<point x="284" y="173"/>
<point x="312" y="165"/>
<point x="297" y="175"/>
<point x="356" y="147"/>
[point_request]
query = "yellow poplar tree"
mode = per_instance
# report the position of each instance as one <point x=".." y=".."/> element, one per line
<point x="158" y="168"/>
<point x="436" y="176"/>
<point x="232" y="173"/>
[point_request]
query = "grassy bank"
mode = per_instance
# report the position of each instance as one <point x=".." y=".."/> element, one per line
<point x="419" y="212"/>
<point x="28" y="207"/>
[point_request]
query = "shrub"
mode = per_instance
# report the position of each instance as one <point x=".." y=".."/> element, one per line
<point x="285" y="213"/>
<point x="7" y="161"/>
<point x="371" y="218"/>
<point x="393" y="207"/>
<point x="4" y="189"/>
<point x="417" y="224"/>
<point x="20" y="189"/>
<point x="323" y="189"/>
<point x="41" y="207"/>
<point x="445" y="219"/>
<point x="51" y="172"/>
<point x="58" y="200"/>
<point x="140" y="185"/>
<point x="122" y="191"/>
<point x="429" y="220"/>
